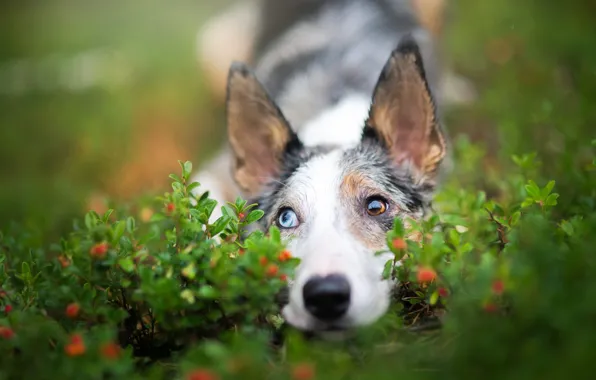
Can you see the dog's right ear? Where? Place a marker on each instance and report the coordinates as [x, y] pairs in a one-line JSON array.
[[257, 131]]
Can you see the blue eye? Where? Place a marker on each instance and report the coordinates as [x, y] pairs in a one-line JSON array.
[[287, 218]]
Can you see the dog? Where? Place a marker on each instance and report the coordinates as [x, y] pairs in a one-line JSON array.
[[334, 134]]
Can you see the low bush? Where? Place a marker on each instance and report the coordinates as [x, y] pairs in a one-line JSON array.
[[502, 286]]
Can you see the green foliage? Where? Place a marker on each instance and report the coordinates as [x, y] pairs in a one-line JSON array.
[[497, 287]]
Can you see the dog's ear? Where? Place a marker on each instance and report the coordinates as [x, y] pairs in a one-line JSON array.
[[257, 131], [403, 116]]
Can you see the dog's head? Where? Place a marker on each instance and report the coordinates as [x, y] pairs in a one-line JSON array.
[[334, 205]]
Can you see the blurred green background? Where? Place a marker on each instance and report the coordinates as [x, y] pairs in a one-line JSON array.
[[100, 99]]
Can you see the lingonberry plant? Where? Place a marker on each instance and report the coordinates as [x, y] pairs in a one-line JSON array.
[[160, 290]]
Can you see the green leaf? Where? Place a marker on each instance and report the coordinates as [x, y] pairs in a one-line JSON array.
[[175, 178], [90, 220], [130, 224], [192, 186], [219, 225], [25, 269], [186, 169], [398, 227], [434, 298], [207, 292], [207, 206], [177, 186], [533, 190], [552, 199], [275, 234], [126, 264], [188, 296], [190, 271], [567, 228], [254, 216], [107, 214], [547, 189], [527, 203], [240, 203], [388, 269], [514, 218]]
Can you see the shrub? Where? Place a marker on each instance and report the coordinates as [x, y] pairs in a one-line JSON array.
[[500, 287]]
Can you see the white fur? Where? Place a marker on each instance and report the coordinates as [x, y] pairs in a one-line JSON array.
[[341, 125], [325, 246]]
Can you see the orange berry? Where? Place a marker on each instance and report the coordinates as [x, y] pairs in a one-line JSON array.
[[110, 350], [283, 277], [170, 207], [74, 349], [303, 371], [263, 260], [6, 332], [399, 243], [202, 374], [241, 252], [99, 250], [7, 309], [284, 256], [426, 274], [146, 214], [443, 292], [72, 310], [272, 270], [64, 261], [498, 287]]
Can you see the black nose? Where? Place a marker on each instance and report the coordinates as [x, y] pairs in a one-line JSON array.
[[327, 298]]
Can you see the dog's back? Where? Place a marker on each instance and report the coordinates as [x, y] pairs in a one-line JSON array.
[[311, 54]]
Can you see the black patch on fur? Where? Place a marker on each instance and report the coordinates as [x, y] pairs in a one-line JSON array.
[[278, 16], [279, 76]]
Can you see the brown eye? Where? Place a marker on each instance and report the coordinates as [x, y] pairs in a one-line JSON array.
[[376, 206]]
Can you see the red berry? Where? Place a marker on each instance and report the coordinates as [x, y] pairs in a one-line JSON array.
[[303, 371], [202, 374], [76, 339], [399, 243], [272, 270], [426, 274], [7, 309], [284, 256], [6, 332], [443, 292], [283, 277], [72, 310], [490, 307], [170, 207], [241, 216], [110, 350], [241, 252], [99, 250], [263, 260], [498, 287]]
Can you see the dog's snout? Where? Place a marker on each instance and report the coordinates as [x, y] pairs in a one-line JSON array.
[[327, 298]]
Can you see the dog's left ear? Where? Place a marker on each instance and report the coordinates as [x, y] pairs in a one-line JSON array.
[[403, 116], [257, 131]]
